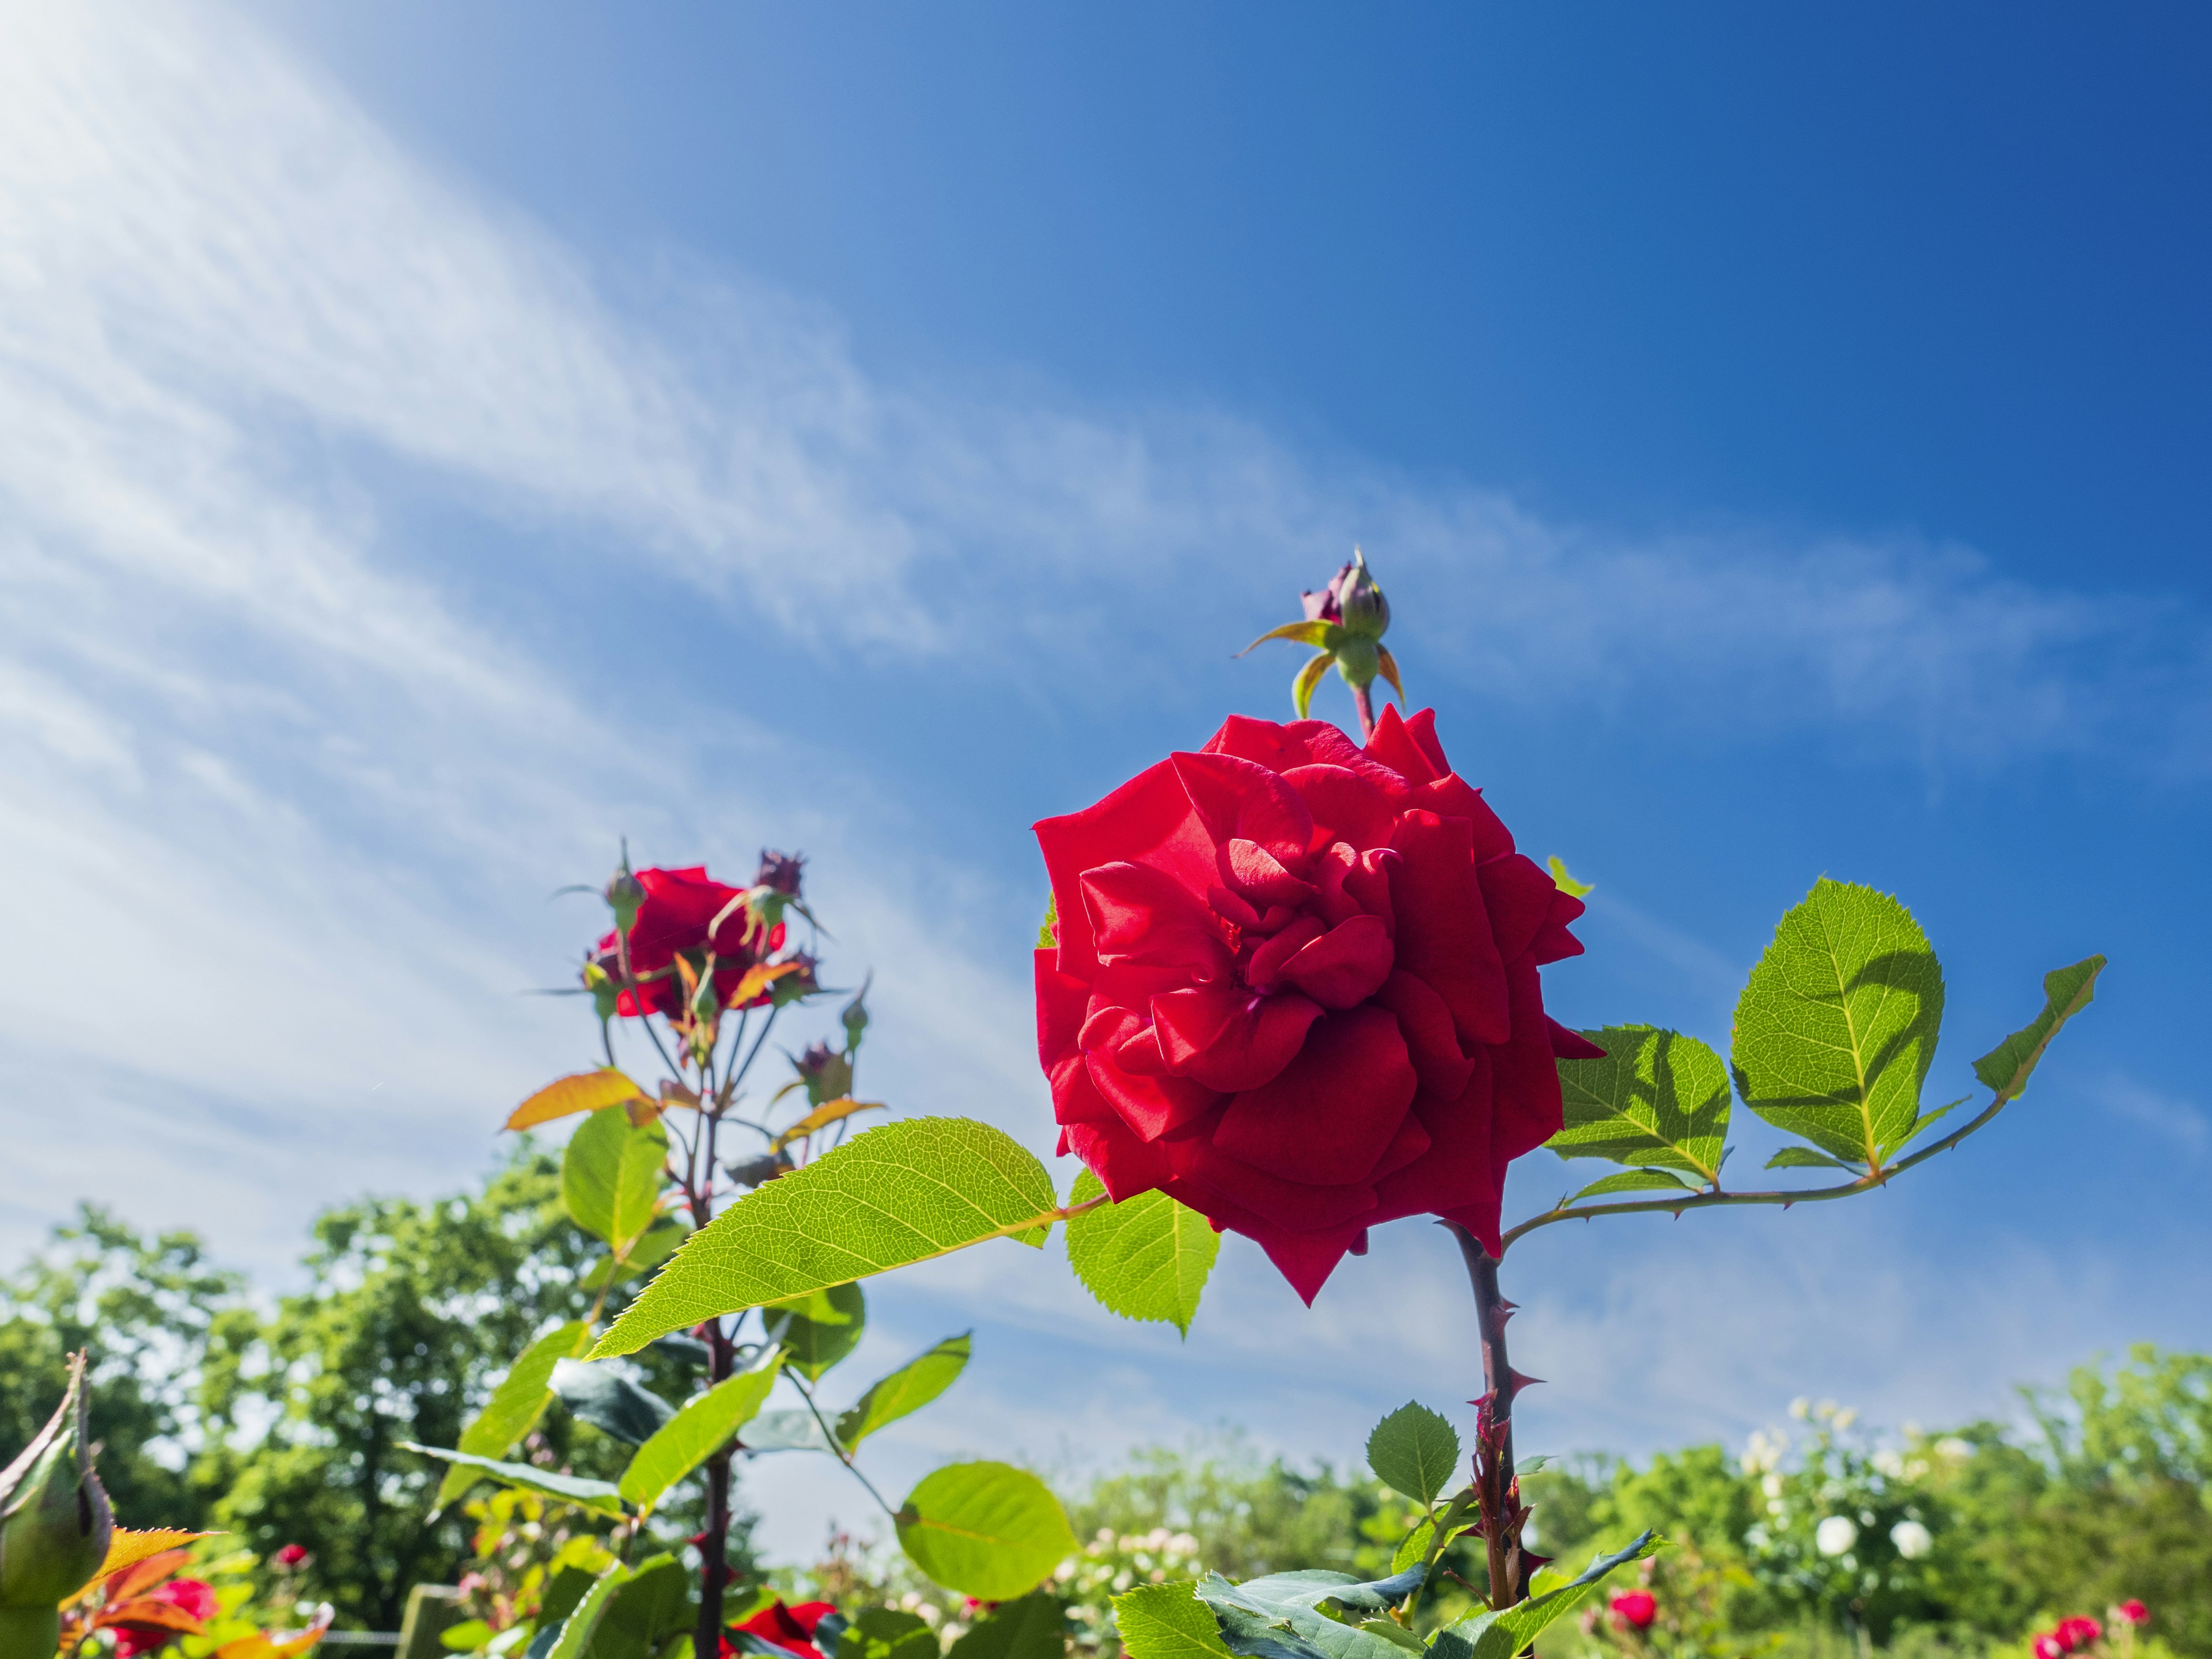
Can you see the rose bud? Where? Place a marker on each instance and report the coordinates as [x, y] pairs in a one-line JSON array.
[[827, 1074], [2131, 1613], [291, 1556], [799, 983], [1345, 621], [1636, 1608], [599, 980], [624, 893], [855, 1016], [780, 872], [54, 1523]]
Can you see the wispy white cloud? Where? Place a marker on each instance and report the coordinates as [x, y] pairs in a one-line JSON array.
[[2180, 1123], [280, 778]]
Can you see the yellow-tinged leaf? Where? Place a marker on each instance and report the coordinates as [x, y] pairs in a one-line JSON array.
[[1565, 883], [829, 1112], [585, 1091], [758, 978], [280, 1645], [126, 1548], [643, 1111]]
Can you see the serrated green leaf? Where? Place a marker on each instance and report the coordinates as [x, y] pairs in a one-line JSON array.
[[1486, 1635], [1280, 1616], [900, 1194], [1837, 1027], [2066, 991], [988, 1530], [1167, 1621], [1657, 1099], [1030, 1626], [515, 1404], [702, 1428], [1048, 930], [817, 1331], [1635, 1181], [1804, 1158], [1413, 1548], [1147, 1258], [611, 1176], [610, 1402], [908, 1388], [887, 1633], [1414, 1451], [594, 1495], [1565, 883]]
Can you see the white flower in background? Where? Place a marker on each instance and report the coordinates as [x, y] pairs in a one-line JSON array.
[[1845, 1417], [1771, 1483], [1835, 1535], [1762, 1452], [1912, 1539], [1801, 1408], [1888, 1464], [1956, 1449]]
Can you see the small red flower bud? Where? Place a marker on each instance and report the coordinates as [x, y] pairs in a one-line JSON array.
[[2131, 1613], [291, 1556], [1636, 1608], [780, 872]]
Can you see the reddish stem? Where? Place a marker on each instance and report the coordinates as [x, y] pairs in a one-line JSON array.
[[1364, 704], [1496, 1486]]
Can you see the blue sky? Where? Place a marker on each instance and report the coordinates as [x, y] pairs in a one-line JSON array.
[[435, 443]]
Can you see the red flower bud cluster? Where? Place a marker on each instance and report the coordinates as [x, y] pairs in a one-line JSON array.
[[1294, 988]]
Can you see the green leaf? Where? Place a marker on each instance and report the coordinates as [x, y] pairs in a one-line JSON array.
[[1635, 1181], [1486, 1635], [900, 1194], [786, 1432], [1565, 883], [1413, 1548], [1166, 1621], [611, 1176], [1804, 1158], [583, 1621], [2066, 992], [1837, 1027], [646, 1610], [1030, 1626], [988, 1530], [464, 1637], [1048, 929], [702, 1428], [908, 1388], [594, 1495], [819, 1329], [515, 1404], [652, 1248], [1302, 688], [887, 1633], [1282, 1616], [609, 1401], [1323, 634], [1414, 1451], [1145, 1259], [1658, 1099]]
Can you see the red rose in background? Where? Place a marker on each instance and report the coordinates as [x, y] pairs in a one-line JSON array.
[[1296, 989], [2132, 1612], [789, 1628], [1637, 1607], [2076, 1633], [2047, 1646], [684, 911], [291, 1556]]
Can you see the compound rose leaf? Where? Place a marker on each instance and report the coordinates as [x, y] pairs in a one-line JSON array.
[[1657, 1099], [900, 1194], [2066, 992], [1146, 1258], [1837, 1027]]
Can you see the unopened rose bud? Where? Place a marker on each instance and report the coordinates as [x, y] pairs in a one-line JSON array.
[[599, 980], [624, 893], [1361, 609], [801, 982], [54, 1524], [706, 1001], [780, 872], [827, 1074], [856, 1014], [1637, 1609]]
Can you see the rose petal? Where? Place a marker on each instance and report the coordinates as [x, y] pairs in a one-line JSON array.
[[1230, 1039], [1062, 1000], [1148, 820], [1397, 747], [1454, 798], [1266, 963], [1139, 1055], [1553, 943], [1124, 1164], [1238, 799], [1259, 875], [1432, 1039], [1276, 1202], [1308, 1259], [1075, 1097], [1141, 915], [1344, 966], [1411, 1143], [1302, 743], [1151, 1106], [1458, 1168], [1328, 1116], [1517, 892], [1344, 806], [1571, 1045], [1526, 1109], [1444, 934]]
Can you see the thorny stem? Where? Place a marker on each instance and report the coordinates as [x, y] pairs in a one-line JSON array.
[[1497, 1488], [1716, 1198]]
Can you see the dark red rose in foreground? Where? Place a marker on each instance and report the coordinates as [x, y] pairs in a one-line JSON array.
[[684, 913], [1296, 989], [1636, 1608], [788, 1627]]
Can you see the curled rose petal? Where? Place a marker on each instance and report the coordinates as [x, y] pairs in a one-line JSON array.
[[1344, 966], [1329, 1115], [1230, 1039]]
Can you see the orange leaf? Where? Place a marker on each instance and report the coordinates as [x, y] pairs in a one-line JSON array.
[[152, 1554], [149, 1613], [758, 978], [278, 1646], [586, 1091], [829, 1112]]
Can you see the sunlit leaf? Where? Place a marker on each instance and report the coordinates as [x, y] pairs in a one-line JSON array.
[[1656, 1099], [1804, 1158], [988, 1530], [908, 1388], [126, 1548], [887, 1633], [703, 1427], [759, 977], [1323, 634], [2066, 992], [585, 1091], [1146, 1258], [1635, 1181], [609, 1401], [1030, 1626], [1486, 1635], [1167, 1621], [1837, 1027], [515, 1404], [597, 1495], [1565, 883], [903, 1193], [817, 1331], [1302, 688], [1414, 1451], [611, 1176]]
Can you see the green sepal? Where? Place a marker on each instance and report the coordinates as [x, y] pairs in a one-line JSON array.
[[1302, 688], [1326, 634]]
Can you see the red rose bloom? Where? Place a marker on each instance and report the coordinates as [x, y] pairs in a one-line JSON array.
[[2074, 1634], [1296, 989], [1637, 1607], [291, 1555], [2132, 1612], [684, 912], [789, 1628]]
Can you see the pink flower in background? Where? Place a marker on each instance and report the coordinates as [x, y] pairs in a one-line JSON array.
[[1638, 1608], [2131, 1613], [291, 1556], [2075, 1634]]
